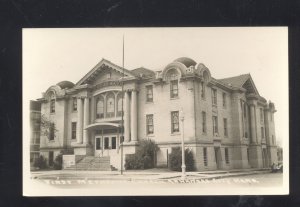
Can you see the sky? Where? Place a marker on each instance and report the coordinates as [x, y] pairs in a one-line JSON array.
[[54, 55]]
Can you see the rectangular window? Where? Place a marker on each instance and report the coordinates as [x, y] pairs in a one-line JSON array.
[[74, 104], [174, 88], [205, 156], [51, 131], [98, 143], [149, 93], [149, 123], [202, 90], [106, 143], [226, 156], [225, 128], [52, 106], [261, 115], [262, 132], [214, 96], [224, 100], [175, 121], [73, 130], [215, 125], [203, 122], [273, 141], [113, 142]]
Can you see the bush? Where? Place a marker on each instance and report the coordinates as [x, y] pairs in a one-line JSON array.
[[40, 162], [175, 158], [58, 162], [144, 158]]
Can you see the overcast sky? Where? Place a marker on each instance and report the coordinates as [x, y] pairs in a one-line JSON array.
[[54, 55]]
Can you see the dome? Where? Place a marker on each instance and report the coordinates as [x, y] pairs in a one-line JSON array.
[[65, 84], [186, 61]]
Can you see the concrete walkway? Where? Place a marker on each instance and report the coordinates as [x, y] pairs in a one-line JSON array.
[[150, 174]]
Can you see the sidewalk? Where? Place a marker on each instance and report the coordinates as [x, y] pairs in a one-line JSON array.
[[151, 174]]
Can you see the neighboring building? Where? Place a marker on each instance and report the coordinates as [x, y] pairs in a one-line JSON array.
[[35, 125], [227, 124]]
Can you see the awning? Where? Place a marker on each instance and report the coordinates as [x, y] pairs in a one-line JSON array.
[[103, 125]]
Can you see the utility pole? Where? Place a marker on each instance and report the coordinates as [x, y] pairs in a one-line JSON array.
[[122, 121]]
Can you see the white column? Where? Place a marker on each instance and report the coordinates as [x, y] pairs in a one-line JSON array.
[[86, 119], [253, 130], [127, 118], [79, 120], [133, 116]]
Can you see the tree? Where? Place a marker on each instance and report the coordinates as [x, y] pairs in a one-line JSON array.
[[176, 159], [144, 158], [48, 128]]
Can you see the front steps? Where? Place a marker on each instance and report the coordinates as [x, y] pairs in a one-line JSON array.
[[93, 163]]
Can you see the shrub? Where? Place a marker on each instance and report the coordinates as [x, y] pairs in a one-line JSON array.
[[175, 158], [57, 165], [40, 162], [144, 158], [58, 162]]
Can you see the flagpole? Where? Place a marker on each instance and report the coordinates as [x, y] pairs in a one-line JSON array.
[[122, 122]]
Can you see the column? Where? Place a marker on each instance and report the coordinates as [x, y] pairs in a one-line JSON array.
[[86, 119], [79, 120], [93, 112], [133, 116], [252, 118], [127, 118]]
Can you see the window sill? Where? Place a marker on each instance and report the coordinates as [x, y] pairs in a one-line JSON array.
[[149, 102], [174, 98], [175, 133], [150, 135]]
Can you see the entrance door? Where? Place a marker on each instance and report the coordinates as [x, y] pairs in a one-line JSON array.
[[98, 146], [218, 157]]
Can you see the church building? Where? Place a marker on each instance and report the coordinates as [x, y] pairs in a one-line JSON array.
[[225, 122]]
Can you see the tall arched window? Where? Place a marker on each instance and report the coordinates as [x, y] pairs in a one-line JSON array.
[[52, 103], [110, 105], [119, 106], [100, 108], [172, 77]]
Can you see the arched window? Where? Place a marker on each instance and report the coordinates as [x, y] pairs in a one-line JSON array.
[[52, 103], [172, 77], [100, 108], [110, 105], [119, 106]]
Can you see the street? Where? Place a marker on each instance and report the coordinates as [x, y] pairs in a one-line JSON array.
[[163, 180]]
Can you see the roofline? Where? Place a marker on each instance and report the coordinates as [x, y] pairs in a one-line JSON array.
[[97, 66]]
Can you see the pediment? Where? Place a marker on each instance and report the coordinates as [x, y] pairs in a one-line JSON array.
[[103, 71], [250, 86]]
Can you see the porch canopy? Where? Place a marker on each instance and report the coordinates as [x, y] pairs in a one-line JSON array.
[[102, 125]]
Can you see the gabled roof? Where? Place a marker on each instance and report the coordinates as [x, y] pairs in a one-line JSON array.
[[143, 72], [244, 80], [236, 81], [96, 69]]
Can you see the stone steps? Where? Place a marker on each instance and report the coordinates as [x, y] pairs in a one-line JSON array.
[[93, 163]]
